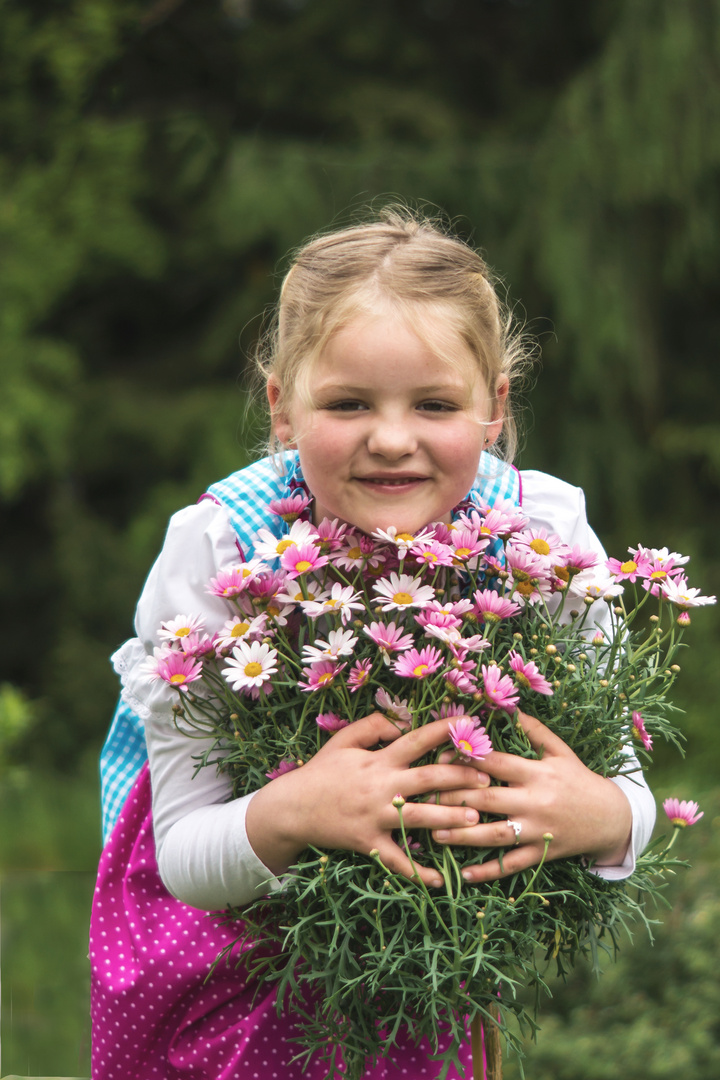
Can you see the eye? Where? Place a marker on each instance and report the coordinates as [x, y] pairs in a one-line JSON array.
[[434, 405], [348, 406]]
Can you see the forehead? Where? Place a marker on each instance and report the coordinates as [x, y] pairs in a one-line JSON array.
[[419, 346]]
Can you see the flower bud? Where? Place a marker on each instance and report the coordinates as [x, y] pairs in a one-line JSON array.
[[551, 649], [654, 618], [683, 619], [571, 668], [398, 801], [675, 667]]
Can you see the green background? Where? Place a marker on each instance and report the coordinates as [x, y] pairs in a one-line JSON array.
[[157, 162]]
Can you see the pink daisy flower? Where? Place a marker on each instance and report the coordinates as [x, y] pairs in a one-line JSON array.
[[268, 546], [393, 707], [240, 627], [303, 559], [541, 542], [400, 591], [639, 731], [339, 643], [678, 593], [432, 554], [402, 541], [229, 583], [528, 675], [181, 626], [499, 690], [470, 741], [459, 681], [359, 674], [389, 639], [290, 508], [199, 647], [577, 559], [330, 721], [630, 569], [341, 599], [285, 766], [177, 669], [321, 675], [252, 664], [330, 535], [490, 607], [418, 663], [683, 813]]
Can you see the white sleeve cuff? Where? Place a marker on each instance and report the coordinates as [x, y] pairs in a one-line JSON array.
[[207, 862]]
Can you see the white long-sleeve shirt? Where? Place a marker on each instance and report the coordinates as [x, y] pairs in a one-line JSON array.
[[204, 856]]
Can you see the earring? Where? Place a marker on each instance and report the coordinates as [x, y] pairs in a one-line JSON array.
[[486, 441]]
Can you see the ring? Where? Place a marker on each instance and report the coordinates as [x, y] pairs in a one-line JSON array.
[[517, 829]]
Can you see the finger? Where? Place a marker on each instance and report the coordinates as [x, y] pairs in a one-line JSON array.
[[415, 744], [362, 734], [487, 834], [541, 737], [392, 857], [425, 779], [449, 756], [429, 815], [514, 861]]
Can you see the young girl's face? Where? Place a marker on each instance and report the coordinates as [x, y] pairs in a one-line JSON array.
[[394, 433]]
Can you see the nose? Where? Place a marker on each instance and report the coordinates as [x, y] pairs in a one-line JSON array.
[[392, 437]]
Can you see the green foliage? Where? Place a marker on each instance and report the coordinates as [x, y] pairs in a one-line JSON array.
[[653, 1014]]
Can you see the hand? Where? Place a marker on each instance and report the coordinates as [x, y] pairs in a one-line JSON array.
[[342, 797], [586, 814]]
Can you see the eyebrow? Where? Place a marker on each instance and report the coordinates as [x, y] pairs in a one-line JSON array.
[[345, 388]]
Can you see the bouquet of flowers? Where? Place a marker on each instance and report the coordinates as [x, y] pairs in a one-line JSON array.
[[472, 621]]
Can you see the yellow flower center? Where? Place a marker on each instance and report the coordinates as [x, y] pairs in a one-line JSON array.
[[658, 575], [182, 632], [490, 616], [522, 679], [178, 678], [273, 610], [561, 572], [406, 538], [240, 629], [354, 553], [465, 747], [326, 678], [402, 598], [420, 671], [525, 588], [462, 553], [679, 822], [283, 545], [303, 566], [540, 547], [253, 669], [628, 567]]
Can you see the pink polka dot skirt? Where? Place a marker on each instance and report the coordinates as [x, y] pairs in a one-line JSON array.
[[155, 1013]]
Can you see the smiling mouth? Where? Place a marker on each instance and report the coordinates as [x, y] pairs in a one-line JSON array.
[[392, 481]]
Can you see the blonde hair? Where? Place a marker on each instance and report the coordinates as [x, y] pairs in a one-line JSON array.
[[411, 263]]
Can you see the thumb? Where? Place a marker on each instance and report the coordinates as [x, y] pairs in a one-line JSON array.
[[369, 731], [541, 738]]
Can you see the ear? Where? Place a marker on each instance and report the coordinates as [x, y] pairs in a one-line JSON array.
[[280, 421], [494, 428]]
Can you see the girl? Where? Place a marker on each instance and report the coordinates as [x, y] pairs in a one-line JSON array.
[[388, 379]]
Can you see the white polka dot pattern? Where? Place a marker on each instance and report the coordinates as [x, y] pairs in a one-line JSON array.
[[155, 1014]]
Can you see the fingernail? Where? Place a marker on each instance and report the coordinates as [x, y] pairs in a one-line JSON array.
[[436, 882], [467, 876], [472, 816], [483, 780], [442, 834]]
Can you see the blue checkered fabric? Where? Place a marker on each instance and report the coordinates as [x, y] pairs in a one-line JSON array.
[[246, 495]]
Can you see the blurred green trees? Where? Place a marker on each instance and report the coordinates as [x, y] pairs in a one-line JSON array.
[[158, 158]]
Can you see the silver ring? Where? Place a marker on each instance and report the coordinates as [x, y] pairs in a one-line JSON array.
[[517, 829]]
